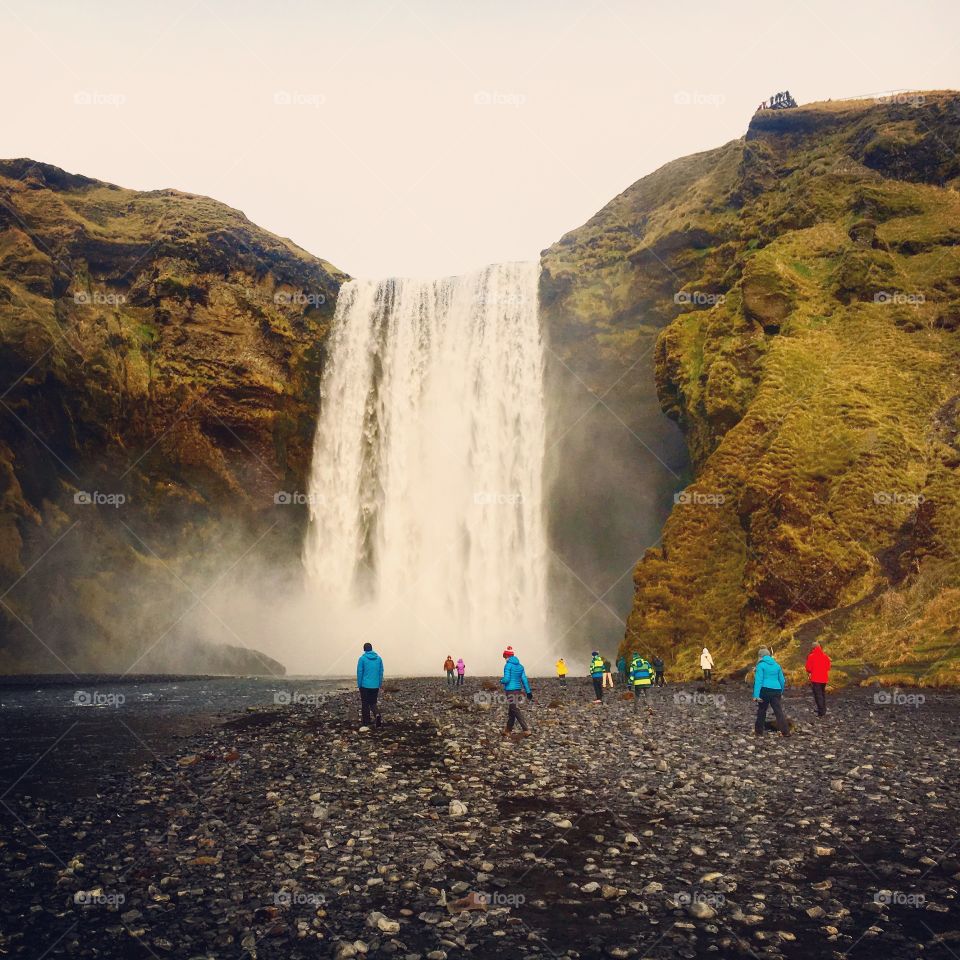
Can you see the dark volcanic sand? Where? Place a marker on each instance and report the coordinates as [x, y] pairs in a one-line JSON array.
[[286, 833]]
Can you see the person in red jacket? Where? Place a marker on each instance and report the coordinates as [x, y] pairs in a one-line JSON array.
[[818, 666]]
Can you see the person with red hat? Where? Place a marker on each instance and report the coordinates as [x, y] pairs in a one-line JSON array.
[[515, 684], [818, 667]]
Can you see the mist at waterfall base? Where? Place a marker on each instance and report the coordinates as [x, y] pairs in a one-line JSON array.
[[427, 534]]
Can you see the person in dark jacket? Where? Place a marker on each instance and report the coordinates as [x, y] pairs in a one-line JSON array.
[[658, 671], [622, 669], [515, 685], [369, 682], [818, 667], [768, 686]]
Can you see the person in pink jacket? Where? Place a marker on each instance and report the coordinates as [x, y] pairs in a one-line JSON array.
[[461, 670]]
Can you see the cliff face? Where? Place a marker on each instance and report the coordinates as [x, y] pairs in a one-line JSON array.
[[807, 282], [159, 379]]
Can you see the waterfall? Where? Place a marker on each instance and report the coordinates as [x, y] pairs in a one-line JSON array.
[[427, 535]]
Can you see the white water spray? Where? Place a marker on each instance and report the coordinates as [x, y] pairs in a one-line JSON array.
[[427, 533]]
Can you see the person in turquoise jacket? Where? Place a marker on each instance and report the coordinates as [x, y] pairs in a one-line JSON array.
[[515, 685], [768, 686], [369, 682]]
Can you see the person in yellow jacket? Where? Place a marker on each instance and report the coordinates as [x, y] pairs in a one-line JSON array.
[[562, 671]]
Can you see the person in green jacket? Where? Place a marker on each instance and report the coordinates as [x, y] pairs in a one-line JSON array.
[[596, 675], [641, 676]]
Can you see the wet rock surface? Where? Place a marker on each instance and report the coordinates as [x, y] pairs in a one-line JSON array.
[[668, 832]]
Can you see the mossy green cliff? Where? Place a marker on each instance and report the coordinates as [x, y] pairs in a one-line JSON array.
[[161, 348], [805, 285]]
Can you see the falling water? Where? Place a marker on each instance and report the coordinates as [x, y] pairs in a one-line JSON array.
[[426, 532]]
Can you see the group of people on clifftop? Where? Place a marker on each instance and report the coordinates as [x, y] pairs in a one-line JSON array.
[[769, 683]]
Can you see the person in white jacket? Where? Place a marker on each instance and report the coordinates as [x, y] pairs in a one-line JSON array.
[[706, 665]]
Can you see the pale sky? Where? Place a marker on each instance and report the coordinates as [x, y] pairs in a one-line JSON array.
[[430, 137]]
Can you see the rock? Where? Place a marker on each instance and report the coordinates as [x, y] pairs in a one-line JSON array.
[[457, 808], [701, 910]]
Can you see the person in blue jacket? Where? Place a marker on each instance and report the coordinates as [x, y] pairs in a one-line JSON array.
[[369, 682], [768, 686], [515, 685]]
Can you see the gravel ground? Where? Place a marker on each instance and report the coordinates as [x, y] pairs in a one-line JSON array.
[[668, 832]]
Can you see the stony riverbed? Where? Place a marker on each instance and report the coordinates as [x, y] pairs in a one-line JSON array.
[[674, 832]]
